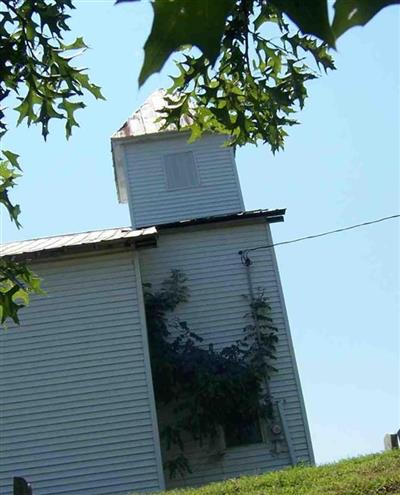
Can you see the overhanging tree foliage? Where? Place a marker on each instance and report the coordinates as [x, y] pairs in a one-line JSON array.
[[37, 71], [251, 74], [257, 83]]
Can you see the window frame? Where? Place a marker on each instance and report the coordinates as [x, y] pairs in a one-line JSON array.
[[263, 434]]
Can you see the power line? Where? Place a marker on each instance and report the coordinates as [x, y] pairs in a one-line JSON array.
[[244, 253]]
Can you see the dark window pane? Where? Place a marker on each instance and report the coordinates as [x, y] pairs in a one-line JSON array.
[[244, 434]]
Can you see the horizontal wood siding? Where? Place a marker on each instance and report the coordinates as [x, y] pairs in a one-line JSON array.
[[217, 281], [75, 399], [150, 201]]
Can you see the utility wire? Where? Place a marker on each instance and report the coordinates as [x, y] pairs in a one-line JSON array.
[[314, 236]]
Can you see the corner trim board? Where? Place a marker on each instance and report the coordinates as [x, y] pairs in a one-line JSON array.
[[236, 175], [149, 378], [128, 192], [291, 348]]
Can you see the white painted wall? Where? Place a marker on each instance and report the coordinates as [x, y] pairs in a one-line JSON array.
[[208, 255], [150, 201], [76, 402], [75, 391]]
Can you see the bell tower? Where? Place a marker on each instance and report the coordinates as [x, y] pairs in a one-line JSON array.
[[164, 179]]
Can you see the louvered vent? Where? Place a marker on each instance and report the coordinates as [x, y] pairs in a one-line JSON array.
[[181, 171]]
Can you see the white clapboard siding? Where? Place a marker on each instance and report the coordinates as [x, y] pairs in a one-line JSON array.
[[217, 282], [76, 401], [152, 201]]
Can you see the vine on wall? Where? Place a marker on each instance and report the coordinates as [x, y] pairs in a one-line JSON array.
[[203, 388]]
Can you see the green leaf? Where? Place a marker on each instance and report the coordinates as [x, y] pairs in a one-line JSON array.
[[77, 44], [7, 182], [70, 107], [83, 80], [350, 13], [21, 295], [311, 16], [17, 283], [26, 108], [12, 158], [179, 22], [13, 210]]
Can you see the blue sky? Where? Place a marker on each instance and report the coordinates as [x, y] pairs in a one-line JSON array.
[[339, 167]]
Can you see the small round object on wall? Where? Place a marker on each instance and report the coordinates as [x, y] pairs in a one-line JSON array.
[[276, 429]]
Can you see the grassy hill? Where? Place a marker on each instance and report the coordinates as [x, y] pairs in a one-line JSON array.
[[377, 474]]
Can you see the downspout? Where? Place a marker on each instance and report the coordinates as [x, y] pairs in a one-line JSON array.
[[279, 404]]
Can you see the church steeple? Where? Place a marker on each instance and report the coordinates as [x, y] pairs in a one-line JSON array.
[[164, 178]]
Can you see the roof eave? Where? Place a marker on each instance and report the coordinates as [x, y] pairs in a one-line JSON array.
[[271, 216], [148, 240]]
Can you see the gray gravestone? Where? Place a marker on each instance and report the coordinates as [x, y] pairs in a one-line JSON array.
[[391, 441]]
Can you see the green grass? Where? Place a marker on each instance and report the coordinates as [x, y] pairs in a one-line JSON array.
[[377, 474]]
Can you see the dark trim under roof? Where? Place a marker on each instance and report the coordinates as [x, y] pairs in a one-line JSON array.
[[271, 216], [120, 238]]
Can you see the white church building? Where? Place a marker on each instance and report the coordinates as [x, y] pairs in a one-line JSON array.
[[77, 406]]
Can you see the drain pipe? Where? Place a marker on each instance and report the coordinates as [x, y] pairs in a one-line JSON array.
[[279, 404]]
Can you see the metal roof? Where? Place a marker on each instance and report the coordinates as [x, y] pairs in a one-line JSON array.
[[146, 120], [95, 237], [107, 237]]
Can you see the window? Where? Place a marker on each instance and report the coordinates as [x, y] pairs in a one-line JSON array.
[[181, 171], [244, 434]]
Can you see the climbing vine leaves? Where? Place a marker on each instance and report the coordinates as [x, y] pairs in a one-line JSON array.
[[201, 390]]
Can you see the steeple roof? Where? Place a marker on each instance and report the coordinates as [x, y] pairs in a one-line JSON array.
[[146, 120]]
